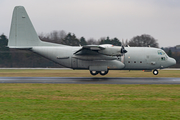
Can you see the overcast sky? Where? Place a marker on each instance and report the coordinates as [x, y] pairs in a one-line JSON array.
[[123, 19]]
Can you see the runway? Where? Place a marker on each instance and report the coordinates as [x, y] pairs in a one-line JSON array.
[[89, 80]]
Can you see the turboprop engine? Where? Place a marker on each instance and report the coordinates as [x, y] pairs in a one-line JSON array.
[[112, 50]]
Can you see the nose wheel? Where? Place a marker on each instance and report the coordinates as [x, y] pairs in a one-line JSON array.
[[155, 72]]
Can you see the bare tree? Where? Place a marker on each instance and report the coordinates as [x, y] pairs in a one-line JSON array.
[[144, 41], [55, 36]]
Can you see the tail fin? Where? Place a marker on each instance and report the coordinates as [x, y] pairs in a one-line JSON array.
[[22, 33]]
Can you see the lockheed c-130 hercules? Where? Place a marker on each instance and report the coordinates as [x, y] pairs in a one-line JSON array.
[[98, 59]]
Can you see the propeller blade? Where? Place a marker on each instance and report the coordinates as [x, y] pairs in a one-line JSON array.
[[123, 50]]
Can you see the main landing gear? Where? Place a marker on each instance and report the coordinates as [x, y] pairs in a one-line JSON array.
[[100, 72], [155, 72]]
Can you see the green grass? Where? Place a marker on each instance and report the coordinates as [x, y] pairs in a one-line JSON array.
[[82, 73], [87, 101]]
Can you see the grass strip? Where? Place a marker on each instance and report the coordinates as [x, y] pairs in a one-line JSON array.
[[89, 101]]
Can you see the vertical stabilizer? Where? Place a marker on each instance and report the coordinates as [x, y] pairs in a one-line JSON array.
[[22, 33]]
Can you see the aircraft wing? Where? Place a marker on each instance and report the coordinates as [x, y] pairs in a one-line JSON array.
[[106, 49], [90, 47]]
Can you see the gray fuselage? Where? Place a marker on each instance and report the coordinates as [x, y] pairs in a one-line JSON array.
[[137, 58]]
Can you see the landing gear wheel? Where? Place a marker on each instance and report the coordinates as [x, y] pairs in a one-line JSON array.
[[94, 72], [155, 72], [103, 72]]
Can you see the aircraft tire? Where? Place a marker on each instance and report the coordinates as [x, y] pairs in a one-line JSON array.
[[94, 72], [103, 72], [155, 72]]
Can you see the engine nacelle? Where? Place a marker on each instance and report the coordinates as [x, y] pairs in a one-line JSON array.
[[111, 51]]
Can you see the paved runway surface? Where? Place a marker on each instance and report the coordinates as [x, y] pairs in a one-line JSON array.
[[89, 80]]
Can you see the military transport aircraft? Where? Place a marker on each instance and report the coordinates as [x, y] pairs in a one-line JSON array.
[[98, 59]]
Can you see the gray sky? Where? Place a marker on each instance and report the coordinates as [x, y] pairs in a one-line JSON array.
[[123, 19]]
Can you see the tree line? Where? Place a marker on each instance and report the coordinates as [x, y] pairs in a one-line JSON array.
[[61, 37], [17, 58]]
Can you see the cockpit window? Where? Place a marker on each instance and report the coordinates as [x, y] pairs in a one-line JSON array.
[[163, 58], [163, 55], [160, 52]]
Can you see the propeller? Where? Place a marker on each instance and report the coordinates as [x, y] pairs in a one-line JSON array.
[[123, 50]]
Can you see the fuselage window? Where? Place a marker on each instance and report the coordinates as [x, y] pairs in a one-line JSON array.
[[140, 61], [134, 61], [128, 61]]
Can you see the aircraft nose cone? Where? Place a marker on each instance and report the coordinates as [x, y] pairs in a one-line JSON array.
[[172, 61]]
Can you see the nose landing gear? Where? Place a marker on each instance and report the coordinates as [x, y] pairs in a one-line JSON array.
[[155, 72]]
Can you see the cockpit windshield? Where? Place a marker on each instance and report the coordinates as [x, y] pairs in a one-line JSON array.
[[161, 52]]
